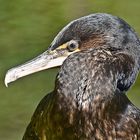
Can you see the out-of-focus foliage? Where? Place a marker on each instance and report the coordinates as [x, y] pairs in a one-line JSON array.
[[27, 27]]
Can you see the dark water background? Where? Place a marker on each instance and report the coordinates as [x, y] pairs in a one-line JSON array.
[[27, 27]]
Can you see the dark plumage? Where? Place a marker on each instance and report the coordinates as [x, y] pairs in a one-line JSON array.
[[89, 101]]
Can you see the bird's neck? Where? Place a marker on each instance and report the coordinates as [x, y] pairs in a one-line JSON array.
[[86, 94], [86, 80], [95, 106]]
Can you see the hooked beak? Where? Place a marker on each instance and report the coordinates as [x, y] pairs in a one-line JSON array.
[[46, 60]]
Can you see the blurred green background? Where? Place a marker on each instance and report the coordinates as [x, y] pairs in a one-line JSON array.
[[27, 27]]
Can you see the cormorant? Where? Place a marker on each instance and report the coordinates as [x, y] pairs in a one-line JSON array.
[[100, 58]]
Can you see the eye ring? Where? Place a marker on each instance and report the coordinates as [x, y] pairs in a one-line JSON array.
[[72, 45]]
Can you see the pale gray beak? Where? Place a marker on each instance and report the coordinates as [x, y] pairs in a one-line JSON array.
[[44, 61]]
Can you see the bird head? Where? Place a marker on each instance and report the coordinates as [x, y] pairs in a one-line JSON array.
[[91, 31]]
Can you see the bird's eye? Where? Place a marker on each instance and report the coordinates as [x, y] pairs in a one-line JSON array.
[[73, 45]]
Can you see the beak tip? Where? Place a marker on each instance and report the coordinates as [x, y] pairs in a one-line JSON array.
[[6, 84], [9, 77], [6, 81]]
